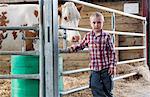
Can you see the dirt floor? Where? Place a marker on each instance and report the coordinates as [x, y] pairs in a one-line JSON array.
[[135, 86]]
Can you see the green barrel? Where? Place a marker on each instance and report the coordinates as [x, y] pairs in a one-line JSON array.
[[24, 65]]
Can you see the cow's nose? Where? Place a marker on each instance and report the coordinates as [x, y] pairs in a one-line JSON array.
[[65, 18], [75, 38]]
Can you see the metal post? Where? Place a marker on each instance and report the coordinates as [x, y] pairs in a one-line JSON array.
[[51, 48], [48, 50], [65, 40], [55, 47], [41, 50], [144, 42], [61, 86], [113, 25]]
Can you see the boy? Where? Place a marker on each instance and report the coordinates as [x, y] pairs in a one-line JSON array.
[[102, 57]]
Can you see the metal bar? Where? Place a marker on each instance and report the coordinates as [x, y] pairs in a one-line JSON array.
[[116, 48], [131, 61], [60, 70], [145, 42], [111, 32], [74, 90], [113, 22], [30, 38], [48, 50], [66, 51], [64, 40], [126, 33], [125, 76], [75, 71], [107, 9], [76, 29], [20, 76], [87, 86], [88, 69], [130, 48], [51, 48], [35, 28], [55, 47], [41, 50], [19, 53]]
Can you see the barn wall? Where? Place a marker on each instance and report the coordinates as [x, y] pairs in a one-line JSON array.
[[122, 24]]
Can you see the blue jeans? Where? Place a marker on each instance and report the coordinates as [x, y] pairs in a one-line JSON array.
[[101, 83]]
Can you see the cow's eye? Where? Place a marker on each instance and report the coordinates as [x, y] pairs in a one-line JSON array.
[[99, 22], [94, 22]]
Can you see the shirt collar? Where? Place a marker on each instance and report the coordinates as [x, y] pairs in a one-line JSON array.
[[93, 33]]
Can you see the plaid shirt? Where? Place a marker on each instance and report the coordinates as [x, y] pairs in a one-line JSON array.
[[102, 53]]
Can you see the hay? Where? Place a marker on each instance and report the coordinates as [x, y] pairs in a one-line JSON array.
[[144, 71], [5, 88], [134, 86]]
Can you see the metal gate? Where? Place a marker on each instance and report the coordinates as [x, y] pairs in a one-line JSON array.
[[48, 51], [113, 32]]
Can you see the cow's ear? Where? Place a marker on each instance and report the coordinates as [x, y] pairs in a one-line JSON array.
[[80, 7], [60, 11]]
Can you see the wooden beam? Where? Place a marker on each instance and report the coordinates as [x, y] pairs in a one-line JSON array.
[[17, 1]]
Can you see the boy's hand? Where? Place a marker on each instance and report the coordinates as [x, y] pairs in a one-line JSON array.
[[70, 50], [112, 71]]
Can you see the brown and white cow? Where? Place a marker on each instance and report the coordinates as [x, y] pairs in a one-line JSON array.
[[70, 18], [27, 15], [17, 15]]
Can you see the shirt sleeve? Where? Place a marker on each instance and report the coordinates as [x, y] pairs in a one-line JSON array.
[[81, 45], [111, 53]]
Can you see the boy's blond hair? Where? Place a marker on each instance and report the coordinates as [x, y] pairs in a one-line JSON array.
[[97, 14]]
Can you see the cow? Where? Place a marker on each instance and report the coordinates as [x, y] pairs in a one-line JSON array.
[[23, 15], [17, 15], [70, 18]]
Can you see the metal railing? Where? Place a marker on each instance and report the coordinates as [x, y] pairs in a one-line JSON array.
[[113, 32], [48, 51], [36, 28]]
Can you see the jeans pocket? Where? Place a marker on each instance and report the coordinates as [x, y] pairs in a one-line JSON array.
[[107, 82], [95, 80]]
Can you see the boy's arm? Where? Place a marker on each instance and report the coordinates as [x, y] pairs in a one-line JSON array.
[[112, 56], [80, 46]]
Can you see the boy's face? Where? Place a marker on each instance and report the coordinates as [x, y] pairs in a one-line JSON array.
[[96, 23]]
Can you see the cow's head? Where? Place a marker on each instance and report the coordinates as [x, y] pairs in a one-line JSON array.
[[30, 42], [70, 17]]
